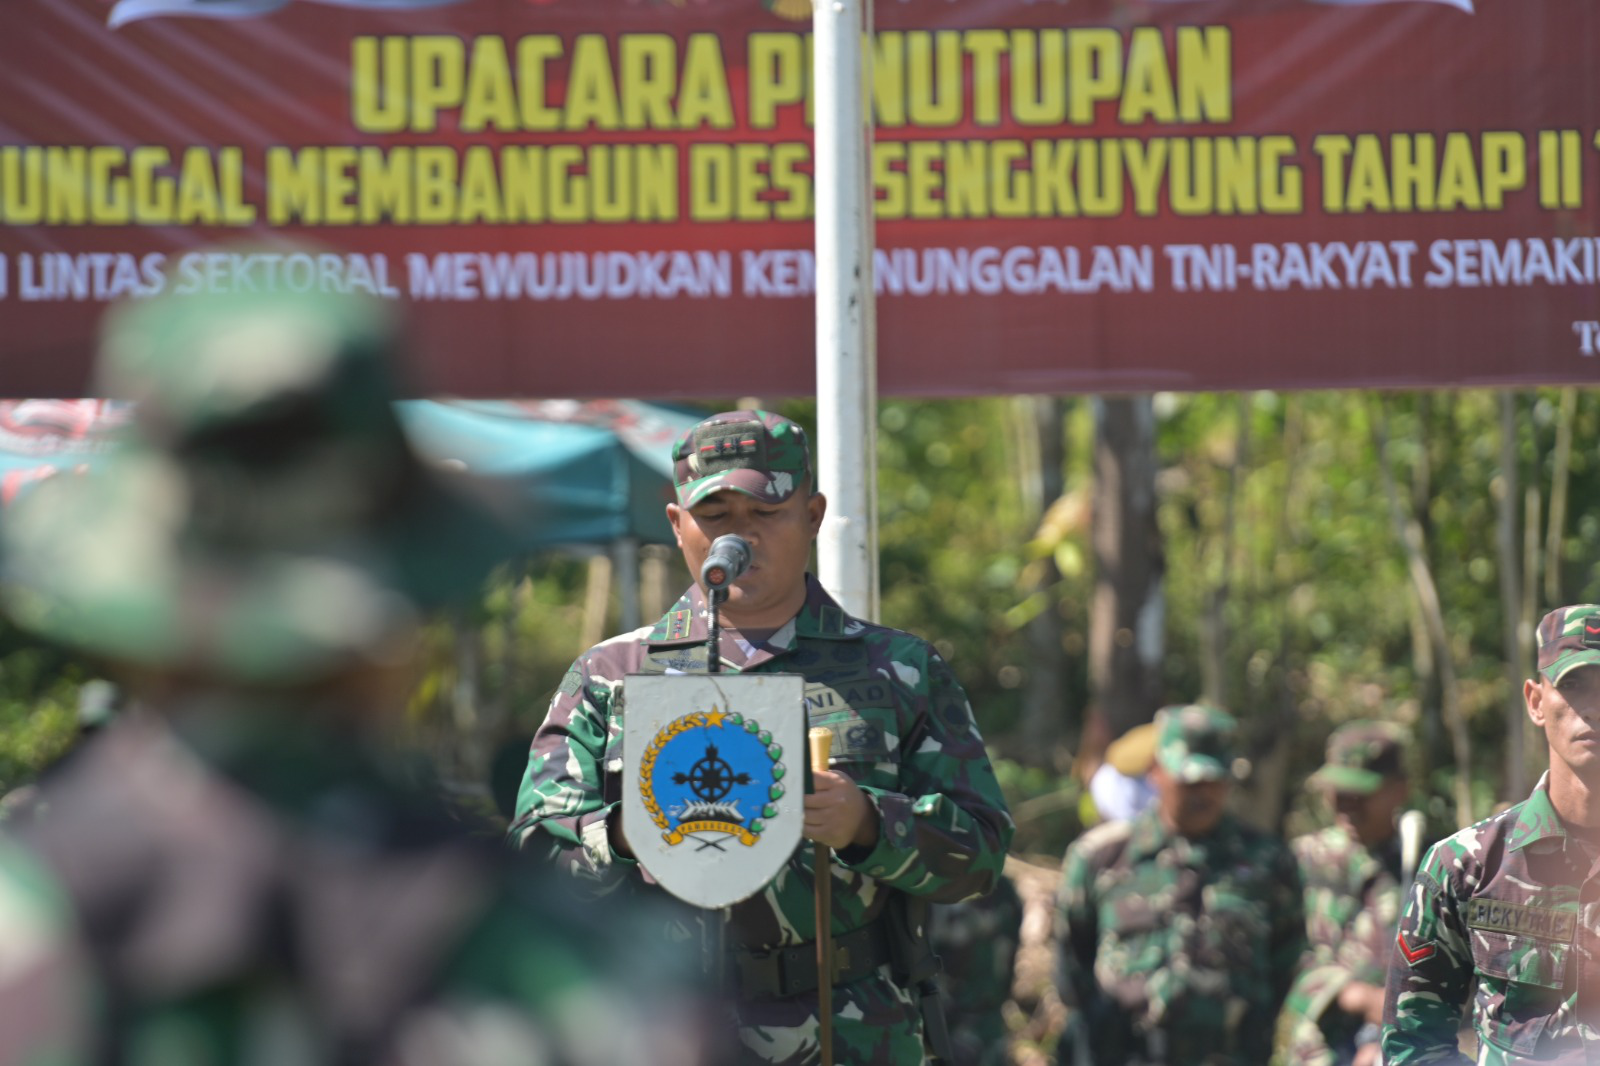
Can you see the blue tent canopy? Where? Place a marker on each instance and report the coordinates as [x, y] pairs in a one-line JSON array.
[[584, 473]]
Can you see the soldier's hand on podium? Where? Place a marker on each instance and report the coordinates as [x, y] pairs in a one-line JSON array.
[[838, 813]]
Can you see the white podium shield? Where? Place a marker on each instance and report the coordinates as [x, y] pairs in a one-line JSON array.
[[714, 766]]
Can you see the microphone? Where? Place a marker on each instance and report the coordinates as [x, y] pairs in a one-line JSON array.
[[729, 557]]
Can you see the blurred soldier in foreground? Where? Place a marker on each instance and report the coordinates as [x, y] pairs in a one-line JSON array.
[[976, 942], [911, 806], [233, 872], [1506, 912], [1352, 873], [1179, 930]]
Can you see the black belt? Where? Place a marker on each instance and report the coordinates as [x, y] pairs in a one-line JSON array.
[[776, 973]]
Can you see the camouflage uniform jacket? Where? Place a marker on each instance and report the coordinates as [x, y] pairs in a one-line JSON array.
[[1352, 900], [1512, 902], [903, 730], [1178, 950], [290, 901]]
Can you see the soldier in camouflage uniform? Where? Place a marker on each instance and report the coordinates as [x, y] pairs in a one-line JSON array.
[[1505, 914], [234, 872], [977, 946], [911, 806], [1180, 930], [1352, 872]]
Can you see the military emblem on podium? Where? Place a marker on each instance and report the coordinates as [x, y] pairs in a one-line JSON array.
[[713, 777]]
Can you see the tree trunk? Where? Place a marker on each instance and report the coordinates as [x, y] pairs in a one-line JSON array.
[[596, 601], [467, 756], [661, 581], [1046, 718], [1437, 429], [1409, 533], [1214, 632], [1127, 617], [1526, 771], [1561, 467], [1266, 790], [1510, 567]]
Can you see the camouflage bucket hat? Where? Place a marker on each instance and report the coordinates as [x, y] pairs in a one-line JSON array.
[[1195, 742], [1361, 757], [1569, 637], [263, 520], [754, 452]]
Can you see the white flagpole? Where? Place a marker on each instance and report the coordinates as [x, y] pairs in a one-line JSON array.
[[847, 357]]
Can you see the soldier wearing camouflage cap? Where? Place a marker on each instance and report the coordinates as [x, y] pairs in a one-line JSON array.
[[234, 871], [1504, 914], [1180, 929], [911, 806], [1352, 872]]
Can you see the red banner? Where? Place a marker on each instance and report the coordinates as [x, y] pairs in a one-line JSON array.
[[613, 197]]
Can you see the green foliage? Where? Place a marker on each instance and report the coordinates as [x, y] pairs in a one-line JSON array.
[[1272, 505], [950, 537], [1047, 807], [489, 672], [38, 707], [1274, 520], [952, 523], [1321, 621]]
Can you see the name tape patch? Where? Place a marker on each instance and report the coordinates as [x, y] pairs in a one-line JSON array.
[[1519, 919]]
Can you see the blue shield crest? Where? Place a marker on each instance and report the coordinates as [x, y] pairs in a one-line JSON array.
[[712, 772]]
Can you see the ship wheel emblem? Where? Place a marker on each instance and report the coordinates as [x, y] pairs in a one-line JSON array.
[[711, 778]]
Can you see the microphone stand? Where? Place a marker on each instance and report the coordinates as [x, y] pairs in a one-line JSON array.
[[713, 630], [713, 928]]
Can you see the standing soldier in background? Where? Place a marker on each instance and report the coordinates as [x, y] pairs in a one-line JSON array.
[[1352, 873], [976, 942], [1181, 929], [911, 807], [1507, 912], [236, 871]]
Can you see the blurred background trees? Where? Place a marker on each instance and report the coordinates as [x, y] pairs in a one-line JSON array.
[[1300, 558]]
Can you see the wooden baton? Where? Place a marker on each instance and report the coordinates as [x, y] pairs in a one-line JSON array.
[[821, 740]]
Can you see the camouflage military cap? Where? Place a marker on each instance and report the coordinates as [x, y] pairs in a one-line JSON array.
[[754, 452], [191, 362], [264, 519], [1195, 742], [1569, 637], [1361, 757]]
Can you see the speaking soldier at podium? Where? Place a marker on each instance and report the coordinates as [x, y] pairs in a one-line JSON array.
[[907, 812]]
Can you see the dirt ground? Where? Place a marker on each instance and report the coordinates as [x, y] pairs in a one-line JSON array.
[[1034, 1014]]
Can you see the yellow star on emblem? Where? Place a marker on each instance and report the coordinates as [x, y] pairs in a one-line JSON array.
[[715, 718]]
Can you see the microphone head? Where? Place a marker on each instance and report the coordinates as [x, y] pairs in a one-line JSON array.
[[728, 558]]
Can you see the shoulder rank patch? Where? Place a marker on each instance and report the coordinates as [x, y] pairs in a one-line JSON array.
[[1518, 919], [572, 682], [678, 624], [1414, 955]]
